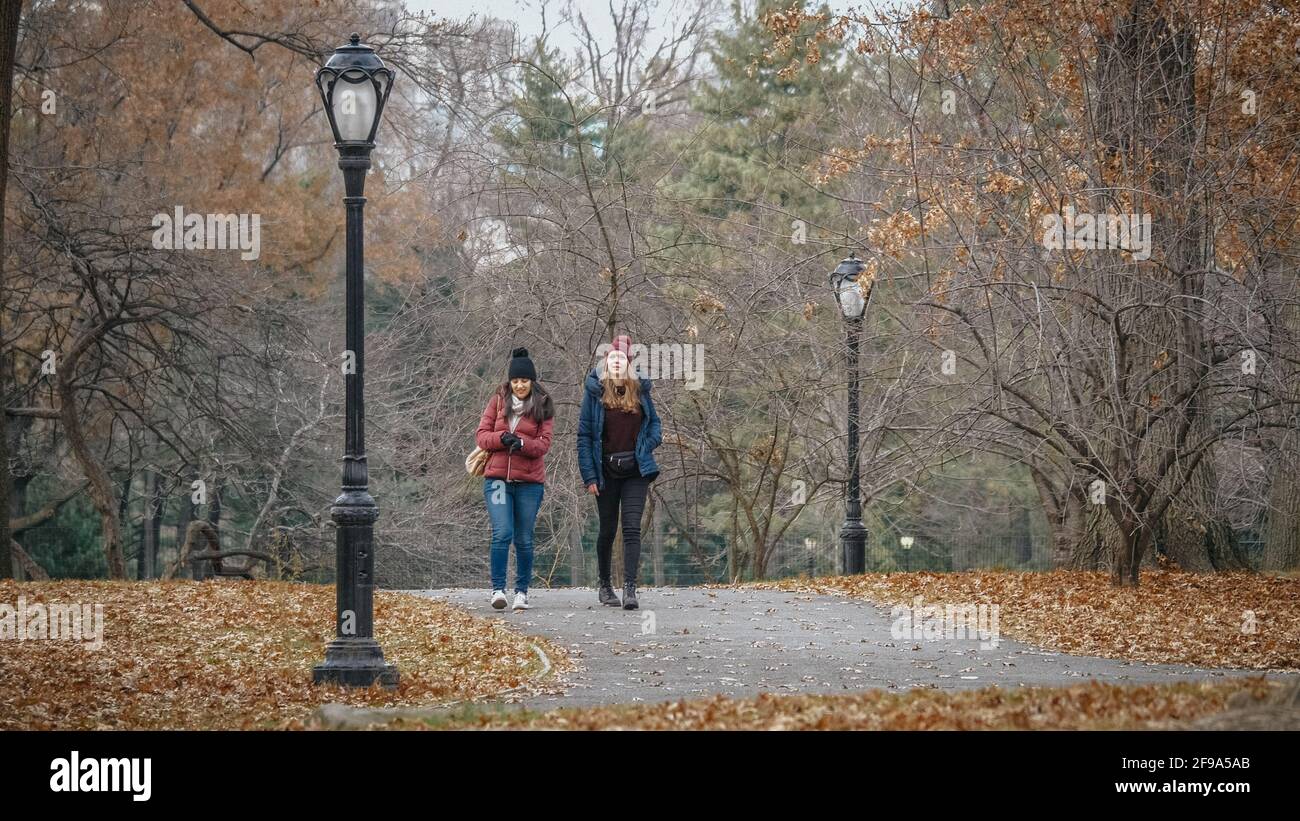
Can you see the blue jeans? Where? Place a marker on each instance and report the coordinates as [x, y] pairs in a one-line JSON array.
[[512, 508]]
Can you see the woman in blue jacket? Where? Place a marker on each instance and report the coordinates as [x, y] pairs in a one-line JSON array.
[[618, 431]]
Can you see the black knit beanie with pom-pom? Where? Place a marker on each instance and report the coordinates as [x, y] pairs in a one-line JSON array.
[[521, 367]]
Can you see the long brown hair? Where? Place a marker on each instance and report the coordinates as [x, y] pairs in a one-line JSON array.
[[629, 401], [538, 405]]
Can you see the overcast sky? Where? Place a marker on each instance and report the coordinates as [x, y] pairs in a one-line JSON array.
[[528, 15]]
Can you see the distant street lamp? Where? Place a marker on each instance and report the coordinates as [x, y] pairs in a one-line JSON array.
[[354, 86], [906, 542], [853, 306]]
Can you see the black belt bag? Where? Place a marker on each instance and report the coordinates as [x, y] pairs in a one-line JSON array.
[[621, 465]]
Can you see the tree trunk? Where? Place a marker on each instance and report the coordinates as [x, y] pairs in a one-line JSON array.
[[1134, 538], [203, 569], [214, 506], [185, 513], [1083, 535], [1057, 511], [575, 551], [10, 12], [282, 548], [102, 494], [151, 526], [26, 566], [18, 505], [733, 542], [1193, 535], [1282, 533], [1148, 115], [124, 517], [200, 538], [658, 548], [648, 519], [1198, 536]]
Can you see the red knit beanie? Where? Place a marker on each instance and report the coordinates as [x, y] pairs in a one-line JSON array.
[[623, 343]]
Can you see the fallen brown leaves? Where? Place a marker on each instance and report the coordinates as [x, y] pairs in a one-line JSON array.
[[1172, 617], [237, 654], [1092, 706]]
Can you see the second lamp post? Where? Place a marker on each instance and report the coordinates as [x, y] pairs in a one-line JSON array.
[[853, 306], [354, 85]]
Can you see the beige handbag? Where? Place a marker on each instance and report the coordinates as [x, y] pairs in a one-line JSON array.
[[477, 461]]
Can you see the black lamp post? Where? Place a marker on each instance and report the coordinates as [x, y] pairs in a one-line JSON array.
[[853, 306], [354, 85]]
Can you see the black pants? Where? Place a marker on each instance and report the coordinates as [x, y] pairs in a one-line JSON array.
[[631, 493]]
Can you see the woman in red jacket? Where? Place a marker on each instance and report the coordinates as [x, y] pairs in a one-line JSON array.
[[516, 431]]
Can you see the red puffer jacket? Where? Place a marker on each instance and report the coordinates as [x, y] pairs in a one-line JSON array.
[[523, 465]]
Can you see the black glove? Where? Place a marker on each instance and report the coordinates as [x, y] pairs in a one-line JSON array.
[[511, 441]]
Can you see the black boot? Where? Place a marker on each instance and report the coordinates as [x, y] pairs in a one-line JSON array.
[[607, 596], [629, 596]]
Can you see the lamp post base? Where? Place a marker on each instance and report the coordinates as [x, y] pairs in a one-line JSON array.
[[354, 662], [853, 537]]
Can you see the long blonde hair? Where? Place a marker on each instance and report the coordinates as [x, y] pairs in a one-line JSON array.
[[629, 401]]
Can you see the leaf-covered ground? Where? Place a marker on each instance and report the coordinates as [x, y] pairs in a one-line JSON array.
[[1244, 620], [1092, 706], [237, 654]]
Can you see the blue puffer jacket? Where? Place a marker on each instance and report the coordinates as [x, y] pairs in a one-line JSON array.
[[591, 425]]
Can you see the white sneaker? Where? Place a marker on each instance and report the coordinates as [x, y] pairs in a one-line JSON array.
[[498, 599], [521, 601]]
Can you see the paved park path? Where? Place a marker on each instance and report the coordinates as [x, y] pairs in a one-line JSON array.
[[693, 642]]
